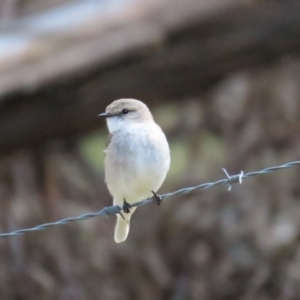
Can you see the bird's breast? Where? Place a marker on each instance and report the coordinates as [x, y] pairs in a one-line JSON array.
[[136, 162]]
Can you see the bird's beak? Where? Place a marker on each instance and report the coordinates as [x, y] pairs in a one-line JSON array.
[[105, 115]]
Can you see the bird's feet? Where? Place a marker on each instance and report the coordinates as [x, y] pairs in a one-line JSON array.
[[156, 198], [126, 207]]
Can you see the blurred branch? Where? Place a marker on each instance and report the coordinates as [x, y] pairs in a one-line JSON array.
[[8, 9], [61, 69], [37, 50]]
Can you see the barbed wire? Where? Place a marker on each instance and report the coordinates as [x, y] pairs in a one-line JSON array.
[[115, 209]]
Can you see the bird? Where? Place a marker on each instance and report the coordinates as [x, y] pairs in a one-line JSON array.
[[137, 158]]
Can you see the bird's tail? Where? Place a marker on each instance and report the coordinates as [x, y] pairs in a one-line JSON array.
[[122, 226]]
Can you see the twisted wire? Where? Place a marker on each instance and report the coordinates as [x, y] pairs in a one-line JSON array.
[[115, 209]]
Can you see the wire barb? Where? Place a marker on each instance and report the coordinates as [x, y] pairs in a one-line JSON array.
[[233, 179], [115, 209]]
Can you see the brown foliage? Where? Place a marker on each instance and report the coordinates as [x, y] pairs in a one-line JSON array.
[[212, 244]]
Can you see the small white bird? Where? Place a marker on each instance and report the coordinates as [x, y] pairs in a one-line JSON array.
[[137, 158]]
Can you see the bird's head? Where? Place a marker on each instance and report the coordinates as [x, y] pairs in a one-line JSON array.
[[125, 112]]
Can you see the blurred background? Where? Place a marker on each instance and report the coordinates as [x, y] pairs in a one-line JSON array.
[[222, 78]]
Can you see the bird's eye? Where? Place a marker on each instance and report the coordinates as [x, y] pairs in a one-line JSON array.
[[125, 111]]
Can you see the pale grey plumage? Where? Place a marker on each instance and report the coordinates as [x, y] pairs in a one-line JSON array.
[[137, 157]]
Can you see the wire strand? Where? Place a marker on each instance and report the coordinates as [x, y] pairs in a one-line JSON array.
[[113, 210]]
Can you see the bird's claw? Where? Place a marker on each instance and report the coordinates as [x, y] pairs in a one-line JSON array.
[[156, 198], [126, 207]]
